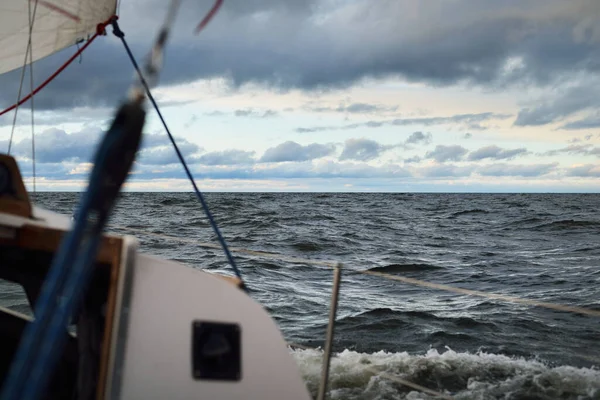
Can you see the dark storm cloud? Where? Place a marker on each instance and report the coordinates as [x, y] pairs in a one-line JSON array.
[[292, 151], [267, 41], [496, 153], [443, 153]]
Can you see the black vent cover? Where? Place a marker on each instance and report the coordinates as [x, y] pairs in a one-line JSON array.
[[216, 351]]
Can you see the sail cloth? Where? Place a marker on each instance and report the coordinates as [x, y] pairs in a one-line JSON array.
[[58, 24]]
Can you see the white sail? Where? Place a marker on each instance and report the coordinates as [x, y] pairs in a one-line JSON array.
[[58, 24]]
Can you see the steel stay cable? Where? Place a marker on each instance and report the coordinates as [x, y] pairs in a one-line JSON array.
[[27, 54], [152, 68], [31, 19]]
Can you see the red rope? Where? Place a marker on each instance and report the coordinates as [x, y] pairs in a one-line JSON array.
[[100, 30], [209, 16]]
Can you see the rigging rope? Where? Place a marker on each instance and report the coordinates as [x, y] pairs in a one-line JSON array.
[[155, 55], [100, 31]]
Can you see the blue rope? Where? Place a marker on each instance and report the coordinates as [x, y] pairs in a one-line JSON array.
[[209, 215], [53, 342], [43, 339]]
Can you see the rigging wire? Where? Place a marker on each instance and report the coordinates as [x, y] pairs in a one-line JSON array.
[[152, 68], [31, 19], [27, 53]]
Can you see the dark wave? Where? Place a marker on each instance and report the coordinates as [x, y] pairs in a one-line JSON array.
[[468, 322], [526, 221], [173, 201], [308, 247], [444, 335], [416, 323], [474, 211], [568, 224], [416, 267]]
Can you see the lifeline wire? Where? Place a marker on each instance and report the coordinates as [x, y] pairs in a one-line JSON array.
[[404, 279]]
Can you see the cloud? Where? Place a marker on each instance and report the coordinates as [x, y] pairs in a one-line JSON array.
[[443, 153], [292, 151], [589, 122], [484, 42], [362, 149], [291, 170], [156, 149], [215, 113], [467, 135], [582, 149], [249, 112], [502, 169], [487, 43], [99, 116], [445, 170], [354, 108], [581, 139], [419, 138], [495, 152], [56, 145], [472, 121], [411, 160], [571, 100], [587, 170], [227, 157]]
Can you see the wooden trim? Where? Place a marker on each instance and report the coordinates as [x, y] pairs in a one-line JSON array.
[[16, 202], [235, 281], [40, 238], [34, 237], [109, 320]]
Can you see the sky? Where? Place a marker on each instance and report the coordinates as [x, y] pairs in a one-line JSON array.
[[336, 95]]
